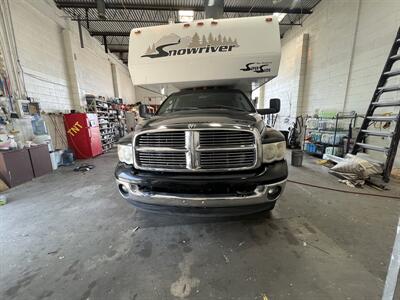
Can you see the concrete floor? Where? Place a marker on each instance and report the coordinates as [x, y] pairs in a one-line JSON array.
[[70, 235]]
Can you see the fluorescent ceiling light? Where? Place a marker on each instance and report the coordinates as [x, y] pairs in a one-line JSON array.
[[280, 16], [186, 15]]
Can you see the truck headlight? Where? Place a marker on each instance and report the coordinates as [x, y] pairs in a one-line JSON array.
[[273, 151], [125, 154]]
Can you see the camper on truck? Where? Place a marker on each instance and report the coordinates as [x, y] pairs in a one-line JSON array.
[[207, 149]]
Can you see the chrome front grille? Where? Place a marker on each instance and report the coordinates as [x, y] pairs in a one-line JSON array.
[[226, 138], [196, 150], [161, 160], [172, 139], [228, 159]]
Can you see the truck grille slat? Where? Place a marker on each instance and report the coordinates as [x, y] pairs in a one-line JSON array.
[[230, 152], [205, 160], [199, 150], [155, 155]]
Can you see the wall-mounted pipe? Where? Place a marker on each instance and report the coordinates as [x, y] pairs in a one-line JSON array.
[[80, 32], [105, 43], [87, 18], [101, 9], [214, 9]]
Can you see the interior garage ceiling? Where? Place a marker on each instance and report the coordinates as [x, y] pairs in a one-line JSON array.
[[121, 16]]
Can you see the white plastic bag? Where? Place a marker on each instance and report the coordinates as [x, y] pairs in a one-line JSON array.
[[357, 168]]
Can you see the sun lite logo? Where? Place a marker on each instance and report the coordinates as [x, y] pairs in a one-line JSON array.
[[257, 67], [190, 45]]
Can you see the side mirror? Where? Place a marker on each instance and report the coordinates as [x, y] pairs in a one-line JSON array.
[[144, 112], [275, 104], [274, 107]]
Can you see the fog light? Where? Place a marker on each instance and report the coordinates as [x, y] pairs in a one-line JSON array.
[[273, 192], [123, 190]]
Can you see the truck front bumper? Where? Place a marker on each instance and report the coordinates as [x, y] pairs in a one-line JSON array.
[[213, 190]]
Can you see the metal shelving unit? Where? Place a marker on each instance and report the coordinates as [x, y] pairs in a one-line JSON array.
[[108, 120], [336, 134]]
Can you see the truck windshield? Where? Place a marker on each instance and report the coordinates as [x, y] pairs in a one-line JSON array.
[[233, 100]]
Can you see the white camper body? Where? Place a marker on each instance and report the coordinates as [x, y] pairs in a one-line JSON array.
[[205, 53]]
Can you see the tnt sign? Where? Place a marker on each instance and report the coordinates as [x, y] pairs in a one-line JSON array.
[[74, 129]]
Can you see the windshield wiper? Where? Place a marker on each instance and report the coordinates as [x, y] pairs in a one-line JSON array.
[[185, 108], [208, 107], [227, 107]]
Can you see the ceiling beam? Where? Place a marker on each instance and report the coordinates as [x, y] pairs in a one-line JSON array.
[[243, 9], [127, 33], [110, 33], [111, 45], [121, 21]]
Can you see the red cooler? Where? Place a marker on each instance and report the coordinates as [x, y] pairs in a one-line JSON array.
[[83, 134]]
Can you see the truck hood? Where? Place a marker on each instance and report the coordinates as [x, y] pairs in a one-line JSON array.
[[204, 116]]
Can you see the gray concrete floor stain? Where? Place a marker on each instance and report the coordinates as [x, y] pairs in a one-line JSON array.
[[69, 235]]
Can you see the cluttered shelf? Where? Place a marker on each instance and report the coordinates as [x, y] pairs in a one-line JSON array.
[[111, 118], [326, 131], [329, 134]]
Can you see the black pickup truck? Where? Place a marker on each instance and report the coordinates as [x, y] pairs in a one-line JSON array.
[[204, 151]]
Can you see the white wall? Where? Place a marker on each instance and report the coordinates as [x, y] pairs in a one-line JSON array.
[[125, 87], [287, 85], [378, 24], [44, 57], [41, 53], [349, 41], [145, 95], [333, 31]]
